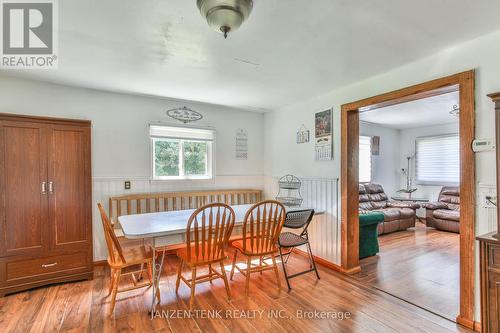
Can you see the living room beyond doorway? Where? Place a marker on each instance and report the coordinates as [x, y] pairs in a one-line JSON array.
[[409, 174], [408, 208]]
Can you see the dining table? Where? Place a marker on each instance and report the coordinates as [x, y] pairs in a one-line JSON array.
[[169, 228]]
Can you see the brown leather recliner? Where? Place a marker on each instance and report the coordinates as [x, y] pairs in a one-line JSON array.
[[398, 215], [445, 213]]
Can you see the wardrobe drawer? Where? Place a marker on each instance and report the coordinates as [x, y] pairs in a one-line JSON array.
[[48, 265], [494, 256]]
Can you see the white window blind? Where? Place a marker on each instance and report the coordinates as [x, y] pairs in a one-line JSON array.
[[365, 159], [437, 160], [174, 132]]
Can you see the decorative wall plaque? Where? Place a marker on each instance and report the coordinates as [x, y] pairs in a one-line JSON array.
[[323, 129], [184, 114], [241, 144], [303, 134]]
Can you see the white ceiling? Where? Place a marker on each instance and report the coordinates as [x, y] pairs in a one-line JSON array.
[[423, 112], [287, 51]]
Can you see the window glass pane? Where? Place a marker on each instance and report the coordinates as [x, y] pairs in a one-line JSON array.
[[438, 160], [365, 159], [195, 158], [166, 157]]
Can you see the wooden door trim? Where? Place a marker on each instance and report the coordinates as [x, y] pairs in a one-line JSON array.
[[462, 82]]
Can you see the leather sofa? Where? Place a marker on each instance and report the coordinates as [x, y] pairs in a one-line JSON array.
[[398, 215], [445, 213]]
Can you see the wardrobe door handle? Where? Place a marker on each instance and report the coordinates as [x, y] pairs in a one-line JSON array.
[[51, 187], [44, 188]]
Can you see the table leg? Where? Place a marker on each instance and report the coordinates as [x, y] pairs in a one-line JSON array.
[[156, 270]]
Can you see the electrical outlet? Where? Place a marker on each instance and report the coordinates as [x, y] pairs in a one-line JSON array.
[[127, 185]]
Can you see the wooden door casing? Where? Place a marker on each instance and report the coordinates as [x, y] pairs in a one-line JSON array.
[[23, 170], [69, 189]]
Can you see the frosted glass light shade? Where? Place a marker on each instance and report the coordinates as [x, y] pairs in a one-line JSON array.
[[225, 16]]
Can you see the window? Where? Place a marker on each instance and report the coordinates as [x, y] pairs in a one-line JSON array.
[[365, 159], [181, 152], [437, 160]]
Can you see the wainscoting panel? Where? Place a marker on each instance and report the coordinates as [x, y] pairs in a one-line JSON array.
[[322, 195], [487, 213], [104, 187]]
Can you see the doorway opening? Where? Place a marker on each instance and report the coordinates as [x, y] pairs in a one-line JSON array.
[[463, 84]]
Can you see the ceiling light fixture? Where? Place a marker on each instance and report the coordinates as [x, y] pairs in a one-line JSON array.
[[225, 16], [455, 111]]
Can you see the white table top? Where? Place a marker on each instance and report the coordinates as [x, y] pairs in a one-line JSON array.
[[170, 223]]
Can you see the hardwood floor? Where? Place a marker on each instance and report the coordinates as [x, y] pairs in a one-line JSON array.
[[83, 307], [418, 265]]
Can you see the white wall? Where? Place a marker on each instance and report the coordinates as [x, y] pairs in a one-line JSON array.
[[385, 166], [282, 155], [120, 142], [120, 125]]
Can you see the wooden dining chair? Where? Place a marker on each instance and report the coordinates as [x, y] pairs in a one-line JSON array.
[[261, 229], [207, 236], [120, 259]]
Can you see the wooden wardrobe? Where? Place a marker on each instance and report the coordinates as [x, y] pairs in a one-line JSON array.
[[45, 201], [490, 254]]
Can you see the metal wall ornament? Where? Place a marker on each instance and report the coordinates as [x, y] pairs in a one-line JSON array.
[[302, 134], [184, 114], [289, 191]]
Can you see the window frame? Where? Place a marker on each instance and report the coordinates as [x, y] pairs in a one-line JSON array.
[[371, 160], [210, 156], [415, 163]]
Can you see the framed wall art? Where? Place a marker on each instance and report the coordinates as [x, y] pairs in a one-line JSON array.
[[323, 130]]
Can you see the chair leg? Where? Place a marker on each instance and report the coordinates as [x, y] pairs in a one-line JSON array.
[[193, 286], [247, 283], [115, 289], [111, 282], [312, 259], [179, 273], [210, 271], [276, 272], [261, 259], [139, 278], [284, 269], [234, 264], [224, 277], [150, 272], [158, 294]]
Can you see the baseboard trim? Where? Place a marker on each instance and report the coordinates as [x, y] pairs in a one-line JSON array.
[[100, 263], [470, 324], [329, 264]]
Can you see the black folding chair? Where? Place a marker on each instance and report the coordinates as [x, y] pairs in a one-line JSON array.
[[289, 240]]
